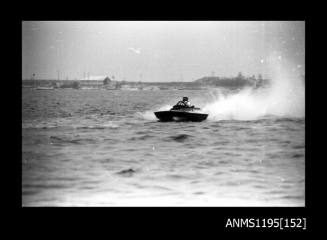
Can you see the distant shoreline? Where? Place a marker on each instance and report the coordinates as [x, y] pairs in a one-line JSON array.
[[202, 83]]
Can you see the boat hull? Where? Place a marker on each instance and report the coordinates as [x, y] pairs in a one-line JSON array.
[[166, 116]]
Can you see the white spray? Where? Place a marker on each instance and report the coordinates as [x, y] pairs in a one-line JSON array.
[[149, 115], [283, 98]]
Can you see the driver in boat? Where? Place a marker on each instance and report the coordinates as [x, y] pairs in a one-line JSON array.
[[183, 104]]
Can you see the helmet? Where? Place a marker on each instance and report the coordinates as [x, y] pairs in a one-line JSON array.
[[185, 98]]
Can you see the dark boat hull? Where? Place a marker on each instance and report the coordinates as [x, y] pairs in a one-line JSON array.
[[166, 116]]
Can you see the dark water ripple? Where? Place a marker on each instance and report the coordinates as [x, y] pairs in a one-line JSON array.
[[180, 137], [63, 140]]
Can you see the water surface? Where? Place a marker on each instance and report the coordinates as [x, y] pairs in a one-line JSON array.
[[105, 148]]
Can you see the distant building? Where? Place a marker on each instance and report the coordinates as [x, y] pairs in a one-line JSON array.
[[93, 81]]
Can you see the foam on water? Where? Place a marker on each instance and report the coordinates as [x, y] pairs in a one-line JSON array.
[[149, 115], [284, 97]]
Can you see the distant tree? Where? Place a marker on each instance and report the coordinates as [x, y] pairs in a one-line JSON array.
[[54, 84], [240, 76], [106, 81], [75, 85]]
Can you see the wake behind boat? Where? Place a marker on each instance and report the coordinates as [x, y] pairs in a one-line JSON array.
[[182, 111]]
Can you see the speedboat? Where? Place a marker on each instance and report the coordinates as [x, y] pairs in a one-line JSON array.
[[181, 114]]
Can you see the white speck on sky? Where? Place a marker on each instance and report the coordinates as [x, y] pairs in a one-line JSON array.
[[135, 50]]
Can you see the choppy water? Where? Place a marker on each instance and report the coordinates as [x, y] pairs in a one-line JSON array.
[[105, 148]]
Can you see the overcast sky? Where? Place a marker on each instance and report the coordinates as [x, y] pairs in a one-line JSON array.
[[156, 50]]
